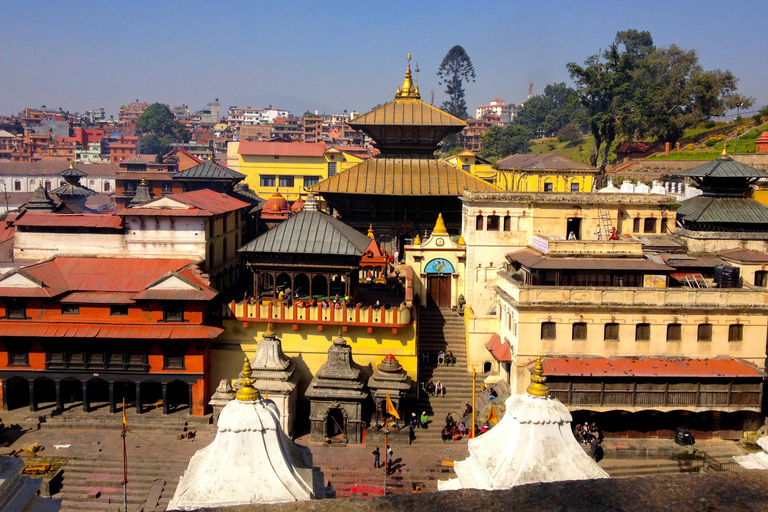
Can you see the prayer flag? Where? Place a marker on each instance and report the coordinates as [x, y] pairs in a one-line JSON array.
[[391, 408], [492, 415], [125, 420]]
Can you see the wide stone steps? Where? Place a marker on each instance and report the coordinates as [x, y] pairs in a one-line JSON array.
[[96, 484], [367, 482]]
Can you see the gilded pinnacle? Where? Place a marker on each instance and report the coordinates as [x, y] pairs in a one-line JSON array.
[[537, 386], [440, 226], [247, 393]]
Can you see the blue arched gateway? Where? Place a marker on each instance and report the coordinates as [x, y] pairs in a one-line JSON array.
[[439, 279]]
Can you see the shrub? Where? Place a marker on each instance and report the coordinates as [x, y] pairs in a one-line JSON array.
[[709, 143], [690, 147], [709, 124]]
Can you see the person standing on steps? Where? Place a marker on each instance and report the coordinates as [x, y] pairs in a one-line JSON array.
[[376, 457], [389, 460]]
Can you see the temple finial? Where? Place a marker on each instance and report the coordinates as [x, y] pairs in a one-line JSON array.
[[71, 165], [537, 386], [370, 231], [247, 393], [440, 226], [417, 240], [408, 90], [725, 151], [269, 332]]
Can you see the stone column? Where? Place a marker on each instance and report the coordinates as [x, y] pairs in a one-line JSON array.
[[32, 403], [165, 398], [191, 399], [112, 407], [139, 405], [86, 405], [59, 403]]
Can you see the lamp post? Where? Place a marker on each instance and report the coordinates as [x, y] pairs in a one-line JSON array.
[[385, 431]]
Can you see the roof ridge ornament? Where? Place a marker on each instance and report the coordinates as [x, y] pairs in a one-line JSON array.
[[537, 388], [408, 90], [440, 228], [247, 393]]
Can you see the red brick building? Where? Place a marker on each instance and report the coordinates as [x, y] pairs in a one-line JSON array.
[[88, 332]]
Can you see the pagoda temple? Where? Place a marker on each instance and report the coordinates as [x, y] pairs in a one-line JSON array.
[[403, 188]]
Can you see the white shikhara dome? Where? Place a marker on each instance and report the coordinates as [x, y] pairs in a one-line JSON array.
[[532, 443]]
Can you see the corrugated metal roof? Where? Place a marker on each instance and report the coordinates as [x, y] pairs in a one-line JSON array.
[[543, 161], [744, 256], [404, 177], [282, 148], [85, 220], [310, 232], [27, 329], [725, 167], [406, 112], [54, 168], [209, 170], [707, 209], [533, 260], [648, 367], [214, 202]]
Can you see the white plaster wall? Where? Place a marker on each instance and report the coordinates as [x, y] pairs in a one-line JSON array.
[[33, 246], [165, 237], [30, 183]]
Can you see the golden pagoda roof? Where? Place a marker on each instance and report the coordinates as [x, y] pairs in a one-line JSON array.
[[407, 109], [404, 177]]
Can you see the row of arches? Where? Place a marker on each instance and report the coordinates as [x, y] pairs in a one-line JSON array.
[[93, 394], [302, 285]]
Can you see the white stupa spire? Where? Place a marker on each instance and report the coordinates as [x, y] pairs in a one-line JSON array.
[[532, 443]]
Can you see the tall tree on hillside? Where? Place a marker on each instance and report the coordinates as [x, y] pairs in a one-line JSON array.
[[545, 114], [159, 129], [455, 69], [501, 142]]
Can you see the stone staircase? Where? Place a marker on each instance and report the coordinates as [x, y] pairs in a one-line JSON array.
[[442, 329], [96, 484]]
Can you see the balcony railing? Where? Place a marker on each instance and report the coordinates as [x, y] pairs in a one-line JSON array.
[[272, 311], [629, 297]]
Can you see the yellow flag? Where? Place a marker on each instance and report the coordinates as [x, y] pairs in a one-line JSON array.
[[492, 415], [125, 420], [391, 408]]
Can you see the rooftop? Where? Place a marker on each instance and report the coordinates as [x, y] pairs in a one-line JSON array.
[[83, 220], [549, 161], [724, 167], [649, 367], [209, 170], [316, 149]]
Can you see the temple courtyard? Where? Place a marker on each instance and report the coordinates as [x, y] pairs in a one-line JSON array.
[[92, 459]]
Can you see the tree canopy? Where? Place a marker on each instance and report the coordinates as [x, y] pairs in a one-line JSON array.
[[500, 142], [635, 90], [456, 69], [544, 114], [159, 129]]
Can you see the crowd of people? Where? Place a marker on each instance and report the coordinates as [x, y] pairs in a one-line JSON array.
[[434, 388], [590, 435], [453, 431], [438, 357]]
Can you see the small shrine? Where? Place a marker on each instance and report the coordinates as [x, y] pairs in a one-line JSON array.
[[72, 194], [532, 443], [373, 264], [389, 377], [40, 202], [249, 441], [336, 397], [439, 264], [224, 394], [275, 210], [275, 375]]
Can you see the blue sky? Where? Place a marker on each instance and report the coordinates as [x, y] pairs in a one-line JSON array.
[[333, 56]]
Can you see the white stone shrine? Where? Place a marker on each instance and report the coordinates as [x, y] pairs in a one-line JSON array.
[[532, 443], [251, 460]]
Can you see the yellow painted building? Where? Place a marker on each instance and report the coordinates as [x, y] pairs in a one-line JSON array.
[[288, 166], [544, 173], [307, 333], [470, 162]]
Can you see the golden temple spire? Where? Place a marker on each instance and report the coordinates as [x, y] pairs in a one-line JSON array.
[[537, 386], [461, 240], [247, 393], [417, 240], [269, 331], [71, 164], [725, 145], [370, 231], [439, 226], [408, 90]]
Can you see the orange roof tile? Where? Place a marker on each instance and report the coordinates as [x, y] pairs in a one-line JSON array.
[[315, 149]]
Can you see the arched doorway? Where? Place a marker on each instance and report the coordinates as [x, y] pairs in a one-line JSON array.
[[266, 284], [45, 393], [151, 394], [439, 280], [177, 394], [319, 286], [301, 286], [283, 283], [336, 425], [98, 394], [338, 286], [71, 392], [16, 393]]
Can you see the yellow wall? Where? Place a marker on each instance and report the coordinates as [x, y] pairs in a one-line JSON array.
[[296, 166], [535, 180], [481, 170], [308, 348]]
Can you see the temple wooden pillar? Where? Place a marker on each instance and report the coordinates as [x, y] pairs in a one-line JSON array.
[[191, 400], [139, 405], [84, 387], [32, 403], [112, 407], [165, 398], [59, 403]]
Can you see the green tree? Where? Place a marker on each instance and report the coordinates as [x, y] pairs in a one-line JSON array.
[[544, 114], [500, 142], [159, 129], [455, 69], [569, 133]]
